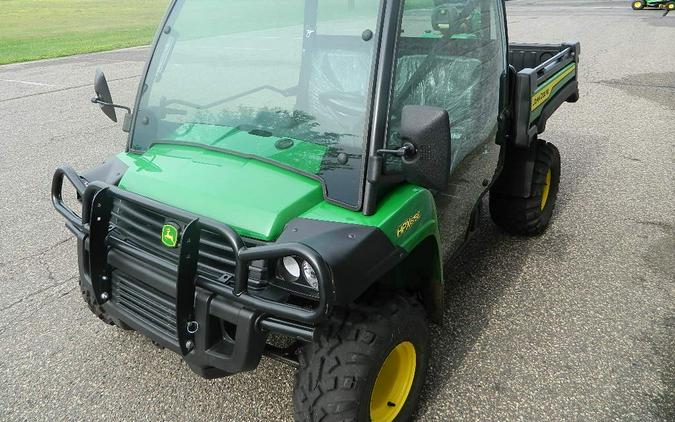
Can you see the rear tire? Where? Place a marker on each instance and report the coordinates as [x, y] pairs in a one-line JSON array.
[[670, 6], [96, 309], [367, 363], [638, 5], [532, 215]]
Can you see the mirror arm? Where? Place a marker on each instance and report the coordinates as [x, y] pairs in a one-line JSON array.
[[97, 100], [407, 150]]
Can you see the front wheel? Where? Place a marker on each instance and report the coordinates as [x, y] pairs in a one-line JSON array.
[[96, 308], [531, 215], [367, 364], [638, 5], [670, 6]]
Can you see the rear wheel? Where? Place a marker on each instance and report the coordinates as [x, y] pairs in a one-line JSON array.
[[638, 5], [367, 364], [531, 215], [670, 6]]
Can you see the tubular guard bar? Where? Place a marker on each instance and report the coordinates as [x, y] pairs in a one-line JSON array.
[[97, 198]]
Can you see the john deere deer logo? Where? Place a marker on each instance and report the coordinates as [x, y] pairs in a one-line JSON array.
[[170, 235]]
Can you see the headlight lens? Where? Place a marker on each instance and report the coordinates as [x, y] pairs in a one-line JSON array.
[[310, 275], [295, 270], [292, 268]]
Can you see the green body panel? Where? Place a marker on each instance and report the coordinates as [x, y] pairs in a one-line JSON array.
[[255, 198], [302, 155]]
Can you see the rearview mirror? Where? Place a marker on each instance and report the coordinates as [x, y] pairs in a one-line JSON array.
[[103, 97], [427, 131]]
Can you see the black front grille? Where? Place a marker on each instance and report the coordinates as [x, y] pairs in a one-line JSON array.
[[142, 228], [145, 303]]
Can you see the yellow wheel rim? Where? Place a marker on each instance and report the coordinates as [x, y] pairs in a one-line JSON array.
[[637, 4], [545, 189], [393, 383], [671, 6]]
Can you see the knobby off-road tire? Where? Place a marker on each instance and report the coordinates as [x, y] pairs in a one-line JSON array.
[[638, 5], [531, 216], [363, 358], [97, 310]]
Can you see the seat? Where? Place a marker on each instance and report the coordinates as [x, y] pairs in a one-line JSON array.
[[451, 83]]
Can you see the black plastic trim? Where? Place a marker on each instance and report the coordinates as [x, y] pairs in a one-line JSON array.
[[528, 79], [357, 255], [564, 95], [110, 172]]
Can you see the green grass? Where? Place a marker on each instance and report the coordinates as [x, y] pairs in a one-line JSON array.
[[40, 29]]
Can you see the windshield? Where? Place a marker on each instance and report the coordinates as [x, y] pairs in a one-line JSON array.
[[286, 81]]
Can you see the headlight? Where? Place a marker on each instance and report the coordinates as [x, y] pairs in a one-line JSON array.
[[310, 275], [289, 268], [298, 271]]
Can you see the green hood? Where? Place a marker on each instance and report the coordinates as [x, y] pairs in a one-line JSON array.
[[255, 198]]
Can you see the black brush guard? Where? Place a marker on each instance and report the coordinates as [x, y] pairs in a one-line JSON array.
[[124, 281]]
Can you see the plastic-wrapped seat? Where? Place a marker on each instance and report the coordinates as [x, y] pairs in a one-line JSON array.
[[452, 83]]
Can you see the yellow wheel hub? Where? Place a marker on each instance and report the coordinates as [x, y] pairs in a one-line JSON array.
[[393, 383], [671, 6], [545, 189], [637, 4]]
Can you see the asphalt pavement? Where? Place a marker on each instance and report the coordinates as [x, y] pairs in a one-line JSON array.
[[576, 324]]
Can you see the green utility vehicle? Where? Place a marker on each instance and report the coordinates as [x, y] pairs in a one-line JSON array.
[[653, 4], [296, 173]]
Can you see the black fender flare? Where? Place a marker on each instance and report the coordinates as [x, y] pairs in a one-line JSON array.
[[359, 256], [110, 172]]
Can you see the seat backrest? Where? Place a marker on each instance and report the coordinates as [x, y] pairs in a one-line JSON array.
[[449, 82]]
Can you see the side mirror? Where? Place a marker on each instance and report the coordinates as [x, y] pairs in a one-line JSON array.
[[103, 97], [425, 133]]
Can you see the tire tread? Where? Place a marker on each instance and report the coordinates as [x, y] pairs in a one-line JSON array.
[[524, 216]]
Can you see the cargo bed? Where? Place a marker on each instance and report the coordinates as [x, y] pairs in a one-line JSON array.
[[546, 77]]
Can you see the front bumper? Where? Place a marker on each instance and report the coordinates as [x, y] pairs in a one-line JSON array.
[[216, 321]]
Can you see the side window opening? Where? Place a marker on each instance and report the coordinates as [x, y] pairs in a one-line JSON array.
[[450, 54]]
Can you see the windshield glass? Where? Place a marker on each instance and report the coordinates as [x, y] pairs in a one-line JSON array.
[[286, 81]]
